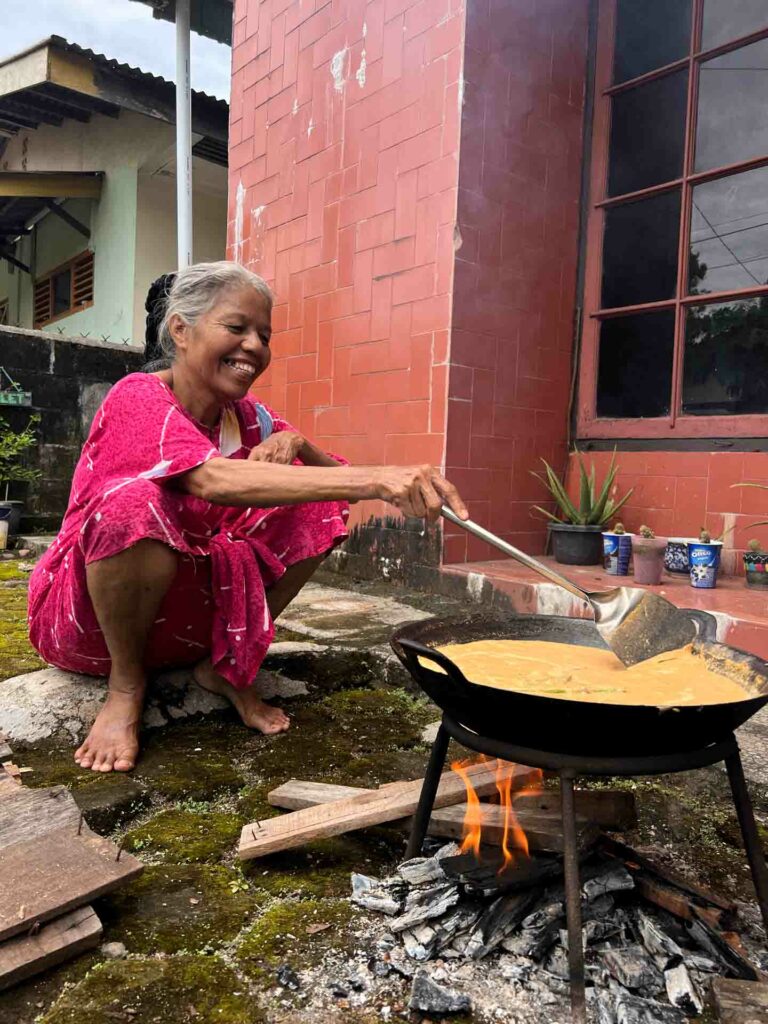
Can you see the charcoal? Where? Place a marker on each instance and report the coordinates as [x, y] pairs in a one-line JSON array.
[[540, 930], [681, 990], [448, 850], [372, 894], [599, 908], [731, 962], [697, 962], [287, 977], [488, 876], [515, 969], [421, 870], [557, 963], [420, 942], [386, 942], [633, 968], [458, 922], [613, 878], [603, 1004], [665, 951], [593, 932], [499, 920], [554, 983], [429, 996], [441, 899], [400, 961], [380, 968], [629, 1009]]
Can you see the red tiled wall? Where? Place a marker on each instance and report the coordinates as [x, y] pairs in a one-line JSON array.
[[514, 293], [676, 493], [343, 171]]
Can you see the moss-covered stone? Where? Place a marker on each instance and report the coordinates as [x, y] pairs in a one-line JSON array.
[[285, 933], [178, 990], [187, 837], [11, 573], [252, 802], [171, 908], [194, 761], [16, 653]]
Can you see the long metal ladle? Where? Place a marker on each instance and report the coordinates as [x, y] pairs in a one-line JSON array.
[[634, 623]]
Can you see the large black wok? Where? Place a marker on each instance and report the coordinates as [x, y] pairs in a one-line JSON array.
[[570, 726]]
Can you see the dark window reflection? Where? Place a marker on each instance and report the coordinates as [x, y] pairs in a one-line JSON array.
[[733, 107], [729, 233], [640, 251], [62, 290], [649, 35], [726, 359], [634, 375], [725, 20], [647, 134]]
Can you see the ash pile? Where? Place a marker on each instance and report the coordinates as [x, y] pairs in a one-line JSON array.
[[449, 911]]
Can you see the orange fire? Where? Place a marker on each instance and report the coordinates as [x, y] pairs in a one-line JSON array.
[[514, 842]]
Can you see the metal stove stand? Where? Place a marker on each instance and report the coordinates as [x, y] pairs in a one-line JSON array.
[[569, 766]]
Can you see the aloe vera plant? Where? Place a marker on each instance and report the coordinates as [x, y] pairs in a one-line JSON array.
[[596, 506]]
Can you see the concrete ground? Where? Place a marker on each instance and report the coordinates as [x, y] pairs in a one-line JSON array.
[[204, 935]]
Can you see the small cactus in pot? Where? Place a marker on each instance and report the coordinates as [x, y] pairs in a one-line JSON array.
[[648, 554], [617, 550], [704, 560], [756, 565]]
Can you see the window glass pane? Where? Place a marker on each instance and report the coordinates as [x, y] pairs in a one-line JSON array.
[[725, 20], [650, 34], [62, 288], [733, 107], [729, 233], [726, 359], [634, 376], [640, 251], [647, 134]]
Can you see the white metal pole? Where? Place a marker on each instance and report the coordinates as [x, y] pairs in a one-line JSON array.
[[183, 135]]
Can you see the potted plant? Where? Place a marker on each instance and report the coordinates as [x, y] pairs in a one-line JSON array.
[[14, 444], [704, 560], [648, 553], [617, 550], [676, 555], [756, 565], [577, 533]]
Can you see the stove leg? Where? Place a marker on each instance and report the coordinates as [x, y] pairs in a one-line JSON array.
[[752, 845], [428, 792], [573, 901]]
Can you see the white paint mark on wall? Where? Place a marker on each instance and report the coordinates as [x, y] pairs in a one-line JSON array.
[[257, 233], [239, 203], [337, 69], [365, 29], [475, 581], [310, 127], [360, 73], [295, 107], [461, 92]]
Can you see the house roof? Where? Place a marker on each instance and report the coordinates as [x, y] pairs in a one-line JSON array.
[[211, 18], [56, 79]]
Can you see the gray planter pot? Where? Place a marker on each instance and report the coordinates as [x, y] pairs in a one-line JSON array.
[[577, 545]]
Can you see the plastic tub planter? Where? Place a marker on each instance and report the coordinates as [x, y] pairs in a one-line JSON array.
[[577, 545], [704, 562], [676, 555], [617, 551]]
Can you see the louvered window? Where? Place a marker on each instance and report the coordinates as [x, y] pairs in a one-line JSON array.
[[65, 290], [3, 312]]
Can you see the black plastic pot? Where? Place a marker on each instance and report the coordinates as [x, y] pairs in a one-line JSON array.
[[11, 510], [577, 545]]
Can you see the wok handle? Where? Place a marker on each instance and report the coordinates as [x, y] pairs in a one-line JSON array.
[[513, 552], [412, 650]]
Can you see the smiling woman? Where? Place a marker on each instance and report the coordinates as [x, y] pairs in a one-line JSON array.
[[196, 515]]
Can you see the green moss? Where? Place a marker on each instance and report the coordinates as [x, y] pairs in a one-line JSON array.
[[175, 991], [194, 761], [252, 802], [16, 653], [10, 572], [171, 908], [23, 1003], [187, 836], [280, 936], [323, 868]]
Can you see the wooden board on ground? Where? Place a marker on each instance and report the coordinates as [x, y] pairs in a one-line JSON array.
[[740, 1002], [26, 813], [50, 874], [543, 829], [371, 808], [614, 809], [59, 940]]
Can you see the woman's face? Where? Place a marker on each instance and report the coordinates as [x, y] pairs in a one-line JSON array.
[[228, 347]]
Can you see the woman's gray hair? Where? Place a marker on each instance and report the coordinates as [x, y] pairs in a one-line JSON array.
[[198, 288]]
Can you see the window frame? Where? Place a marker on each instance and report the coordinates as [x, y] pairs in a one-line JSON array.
[[72, 265], [675, 425], [5, 312]]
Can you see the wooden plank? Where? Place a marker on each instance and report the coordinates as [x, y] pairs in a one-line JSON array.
[[26, 813], [740, 1002], [614, 809], [50, 874], [543, 829], [51, 184], [60, 940], [373, 808], [675, 902]]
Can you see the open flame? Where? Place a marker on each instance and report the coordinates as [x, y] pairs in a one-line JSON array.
[[514, 842]]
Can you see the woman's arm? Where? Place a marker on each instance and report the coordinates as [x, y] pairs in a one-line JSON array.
[[415, 490]]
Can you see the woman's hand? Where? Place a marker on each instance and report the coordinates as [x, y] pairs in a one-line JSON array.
[[418, 491], [283, 447]]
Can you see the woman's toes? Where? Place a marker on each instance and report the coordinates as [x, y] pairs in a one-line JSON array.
[[123, 764]]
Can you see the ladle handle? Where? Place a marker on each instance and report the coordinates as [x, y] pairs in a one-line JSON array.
[[513, 552]]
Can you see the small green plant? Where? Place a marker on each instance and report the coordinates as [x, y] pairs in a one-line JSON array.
[[596, 506], [14, 444], [646, 532], [754, 547], [619, 528], [705, 537]]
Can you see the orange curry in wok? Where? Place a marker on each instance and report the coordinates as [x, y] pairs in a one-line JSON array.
[[570, 672]]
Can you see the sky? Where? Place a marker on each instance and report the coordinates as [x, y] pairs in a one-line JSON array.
[[120, 29]]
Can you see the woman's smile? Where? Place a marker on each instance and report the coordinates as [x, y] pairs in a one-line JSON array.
[[242, 369]]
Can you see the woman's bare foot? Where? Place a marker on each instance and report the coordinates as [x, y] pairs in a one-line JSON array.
[[113, 742], [255, 713]]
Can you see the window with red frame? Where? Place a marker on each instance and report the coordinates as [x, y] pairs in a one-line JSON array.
[[675, 341]]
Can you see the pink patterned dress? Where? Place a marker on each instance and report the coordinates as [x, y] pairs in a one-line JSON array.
[[140, 440]]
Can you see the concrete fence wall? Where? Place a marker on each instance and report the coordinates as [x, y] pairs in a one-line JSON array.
[[68, 380]]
